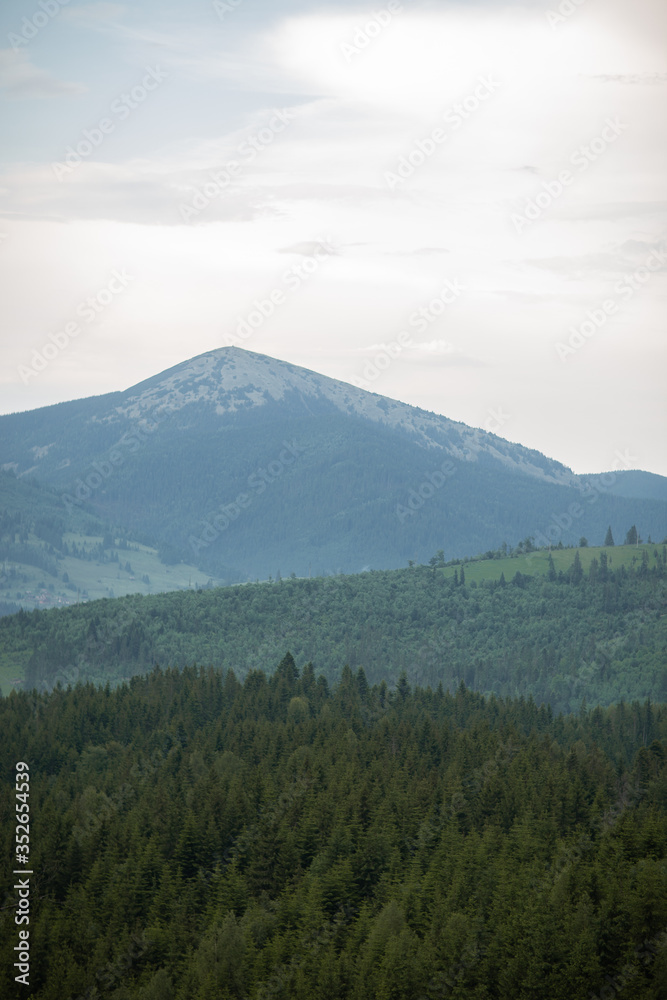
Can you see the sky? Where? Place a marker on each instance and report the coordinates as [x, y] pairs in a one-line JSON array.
[[461, 205]]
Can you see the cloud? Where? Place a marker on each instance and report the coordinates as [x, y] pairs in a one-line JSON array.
[[425, 352], [418, 252], [642, 79], [431, 347], [308, 248], [131, 193], [20, 79], [430, 251], [617, 260], [617, 210], [640, 248]]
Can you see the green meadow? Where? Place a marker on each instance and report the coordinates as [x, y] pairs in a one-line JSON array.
[[537, 563]]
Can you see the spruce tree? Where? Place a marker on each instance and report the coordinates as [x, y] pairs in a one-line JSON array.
[[609, 538], [551, 571]]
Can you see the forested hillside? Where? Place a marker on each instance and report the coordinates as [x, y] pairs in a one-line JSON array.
[[193, 837], [599, 635]]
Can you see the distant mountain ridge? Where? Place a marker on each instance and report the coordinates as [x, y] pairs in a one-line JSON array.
[[196, 460], [635, 483]]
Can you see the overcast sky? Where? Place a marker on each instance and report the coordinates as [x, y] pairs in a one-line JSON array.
[[458, 205]]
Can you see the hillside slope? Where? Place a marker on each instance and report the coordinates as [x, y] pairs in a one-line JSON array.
[[601, 636]]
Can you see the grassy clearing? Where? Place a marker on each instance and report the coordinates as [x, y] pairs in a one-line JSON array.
[[537, 563], [32, 587]]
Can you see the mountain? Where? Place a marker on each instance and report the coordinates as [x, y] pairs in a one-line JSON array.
[[231, 381], [633, 483], [246, 466]]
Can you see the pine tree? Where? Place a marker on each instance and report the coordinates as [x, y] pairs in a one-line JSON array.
[[403, 688], [609, 538], [631, 537], [551, 571], [362, 684], [287, 670]]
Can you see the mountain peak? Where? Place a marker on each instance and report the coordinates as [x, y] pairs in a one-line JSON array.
[[232, 379]]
